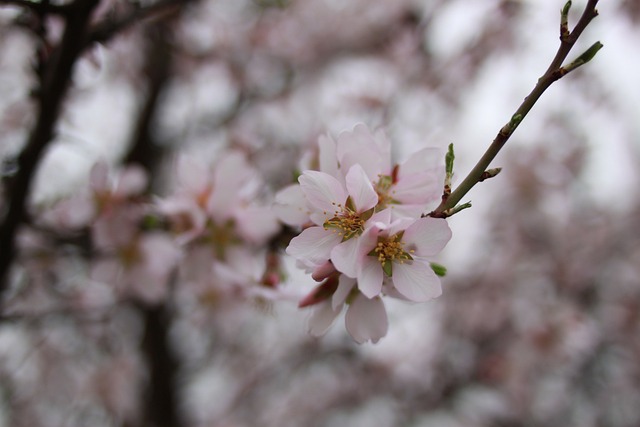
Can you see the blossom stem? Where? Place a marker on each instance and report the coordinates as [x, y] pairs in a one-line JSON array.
[[554, 72]]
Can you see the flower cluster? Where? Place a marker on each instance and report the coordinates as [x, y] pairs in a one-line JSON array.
[[216, 216], [210, 233], [364, 234]]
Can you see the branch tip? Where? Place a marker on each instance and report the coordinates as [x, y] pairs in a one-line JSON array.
[[585, 57], [564, 21]]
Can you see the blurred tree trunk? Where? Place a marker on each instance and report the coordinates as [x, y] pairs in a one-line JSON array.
[[160, 406]]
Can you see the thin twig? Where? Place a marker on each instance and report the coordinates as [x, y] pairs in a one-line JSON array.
[[554, 72]]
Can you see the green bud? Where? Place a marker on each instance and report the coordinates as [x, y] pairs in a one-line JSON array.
[[448, 160], [439, 269]]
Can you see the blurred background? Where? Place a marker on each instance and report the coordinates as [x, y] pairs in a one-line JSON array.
[[539, 321]]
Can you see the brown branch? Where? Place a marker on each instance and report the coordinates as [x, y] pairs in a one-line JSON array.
[[554, 72], [54, 84], [161, 399], [39, 7], [105, 30]]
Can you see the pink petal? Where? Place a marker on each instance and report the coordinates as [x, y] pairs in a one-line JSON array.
[[256, 224], [399, 224], [232, 177], [417, 188], [416, 281], [407, 211], [327, 155], [366, 319], [192, 174], [425, 159], [345, 257], [131, 181], [427, 236], [323, 271], [233, 170], [360, 189], [99, 176], [291, 206], [367, 241], [370, 277], [322, 317], [323, 191], [314, 244], [360, 146], [345, 284]]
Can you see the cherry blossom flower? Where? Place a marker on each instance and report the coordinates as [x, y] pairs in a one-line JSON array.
[[107, 191], [398, 253], [409, 188], [339, 213], [140, 268], [211, 199]]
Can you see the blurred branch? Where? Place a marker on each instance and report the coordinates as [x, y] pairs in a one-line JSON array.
[[54, 83], [55, 80], [554, 72], [161, 400], [161, 397], [40, 7], [105, 30]]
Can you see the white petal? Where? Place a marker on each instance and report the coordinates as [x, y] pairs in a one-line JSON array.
[[425, 159], [192, 174], [131, 181], [99, 176], [370, 277], [367, 241], [360, 189], [417, 188], [322, 317], [256, 224], [366, 319], [407, 211], [314, 244], [345, 284], [399, 224], [327, 155], [323, 271], [345, 257], [323, 191], [233, 170], [233, 179], [362, 147], [291, 206], [416, 281], [380, 220], [427, 236]]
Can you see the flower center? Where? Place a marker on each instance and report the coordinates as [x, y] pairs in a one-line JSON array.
[[347, 222], [390, 249], [385, 194]]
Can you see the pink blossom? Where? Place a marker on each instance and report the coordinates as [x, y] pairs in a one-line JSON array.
[[365, 319], [340, 214], [141, 268], [399, 252], [109, 190], [291, 206], [217, 198]]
